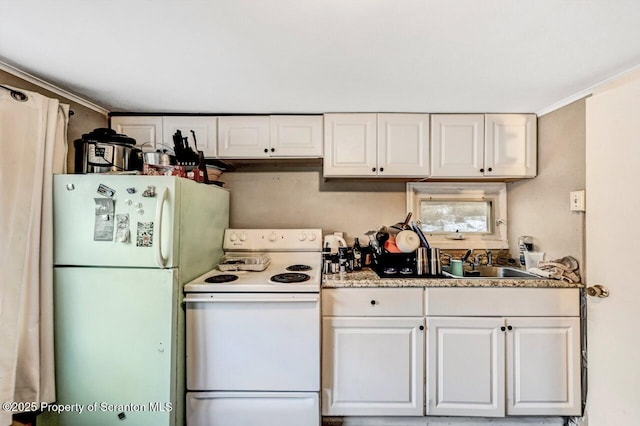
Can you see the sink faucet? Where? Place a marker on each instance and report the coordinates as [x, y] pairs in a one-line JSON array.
[[489, 258], [476, 259]]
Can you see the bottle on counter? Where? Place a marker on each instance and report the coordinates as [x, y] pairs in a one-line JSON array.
[[525, 243], [357, 255], [343, 259], [327, 260]]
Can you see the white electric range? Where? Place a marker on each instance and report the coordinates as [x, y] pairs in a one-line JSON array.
[[253, 336]]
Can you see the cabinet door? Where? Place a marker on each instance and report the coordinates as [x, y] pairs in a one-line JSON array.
[[403, 145], [296, 136], [465, 366], [205, 128], [350, 145], [372, 366], [457, 145], [146, 130], [510, 145], [243, 137], [543, 366]]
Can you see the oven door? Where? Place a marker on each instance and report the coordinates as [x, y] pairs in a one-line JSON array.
[[253, 342]]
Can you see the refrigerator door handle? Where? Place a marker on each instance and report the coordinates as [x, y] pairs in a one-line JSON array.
[[162, 261]]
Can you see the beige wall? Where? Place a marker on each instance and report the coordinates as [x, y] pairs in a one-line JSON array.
[[302, 199], [537, 207], [83, 121], [540, 207]]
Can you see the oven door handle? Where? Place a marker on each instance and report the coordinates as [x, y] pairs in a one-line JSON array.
[[285, 299]]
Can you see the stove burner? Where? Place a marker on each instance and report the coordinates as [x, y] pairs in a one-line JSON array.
[[222, 278], [290, 278], [298, 268]]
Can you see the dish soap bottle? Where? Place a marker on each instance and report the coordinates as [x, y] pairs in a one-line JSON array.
[[525, 243]]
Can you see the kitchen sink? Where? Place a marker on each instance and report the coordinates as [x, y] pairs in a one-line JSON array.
[[495, 272]]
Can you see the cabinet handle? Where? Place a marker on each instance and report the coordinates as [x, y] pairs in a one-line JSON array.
[[274, 150], [382, 169], [421, 327], [503, 328], [490, 169], [373, 302], [509, 328], [481, 170], [266, 150], [373, 169]]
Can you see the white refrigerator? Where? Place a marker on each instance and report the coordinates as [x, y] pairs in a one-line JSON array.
[[123, 248]]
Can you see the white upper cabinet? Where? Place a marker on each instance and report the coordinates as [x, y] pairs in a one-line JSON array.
[[510, 145], [403, 145], [383, 145], [146, 130], [483, 146], [205, 128], [243, 136], [286, 136], [296, 136], [350, 144], [156, 132], [457, 145]]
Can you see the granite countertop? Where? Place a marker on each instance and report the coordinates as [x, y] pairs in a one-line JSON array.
[[368, 278]]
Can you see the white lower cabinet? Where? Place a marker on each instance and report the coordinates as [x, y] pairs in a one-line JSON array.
[[489, 352], [543, 366], [465, 367], [373, 365], [492, 366]]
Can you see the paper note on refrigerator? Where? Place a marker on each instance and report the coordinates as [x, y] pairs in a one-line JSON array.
[[104, 223]]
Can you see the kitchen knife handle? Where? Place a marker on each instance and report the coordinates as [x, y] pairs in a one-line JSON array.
[[160, 259]]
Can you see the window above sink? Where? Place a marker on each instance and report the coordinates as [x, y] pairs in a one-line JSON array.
[[460, 215]]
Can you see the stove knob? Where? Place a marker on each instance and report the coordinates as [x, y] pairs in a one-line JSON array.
[[312, 237], [273, 237], [243, 237], [302, 237], [233, 237]]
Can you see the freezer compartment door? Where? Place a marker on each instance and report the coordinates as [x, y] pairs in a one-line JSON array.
[[127, 225], [258, 342], [252, 409], [115, 343]]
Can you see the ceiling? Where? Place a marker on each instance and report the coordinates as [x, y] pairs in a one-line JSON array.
[[306, 56]]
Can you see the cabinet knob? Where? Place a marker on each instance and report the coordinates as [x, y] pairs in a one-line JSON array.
[[274, 150], [373, 302], [421, 327], [503, 328], [509, 328], [481, 170], [373, 169], [382, 169], [266, 150], [490, 169]]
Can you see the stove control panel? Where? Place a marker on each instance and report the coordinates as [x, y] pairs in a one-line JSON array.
[[273, 239]]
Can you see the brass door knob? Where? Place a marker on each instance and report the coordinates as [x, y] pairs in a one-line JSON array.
[[598, 291]]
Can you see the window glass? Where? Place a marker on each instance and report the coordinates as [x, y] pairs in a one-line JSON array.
[[446, 216]]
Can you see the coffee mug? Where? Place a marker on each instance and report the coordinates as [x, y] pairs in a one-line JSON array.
[[456, 267]]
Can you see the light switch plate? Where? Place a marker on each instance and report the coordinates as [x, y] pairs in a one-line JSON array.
[[577, 201]]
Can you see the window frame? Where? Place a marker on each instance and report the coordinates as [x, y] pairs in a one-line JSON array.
[[464, 191]]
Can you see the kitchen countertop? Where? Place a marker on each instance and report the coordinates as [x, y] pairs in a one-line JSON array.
[[368, 278]]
